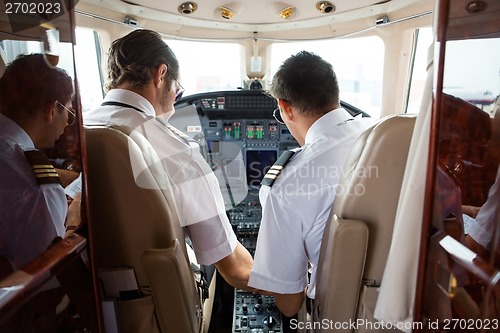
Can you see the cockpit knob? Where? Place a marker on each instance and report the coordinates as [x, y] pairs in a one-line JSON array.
[[269, 321]]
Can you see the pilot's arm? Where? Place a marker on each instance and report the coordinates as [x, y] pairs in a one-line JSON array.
[[472, 211], [288, 304], [73, 219], [481, 231], [235, 268], [66, 176]]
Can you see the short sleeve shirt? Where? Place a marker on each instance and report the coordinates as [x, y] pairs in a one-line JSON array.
[[31, 215], [196, 190], [296, 207]]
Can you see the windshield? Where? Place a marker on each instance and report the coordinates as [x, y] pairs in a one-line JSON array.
[[357, 62], [208, 66]]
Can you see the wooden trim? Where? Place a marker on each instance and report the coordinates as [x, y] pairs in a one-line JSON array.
[[17, 288]]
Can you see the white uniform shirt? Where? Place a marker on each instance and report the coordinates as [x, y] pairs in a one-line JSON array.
[[198, 198], [296, 207], [488, 218], [31, 215]]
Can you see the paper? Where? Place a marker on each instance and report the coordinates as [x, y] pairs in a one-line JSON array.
[[75, 187]]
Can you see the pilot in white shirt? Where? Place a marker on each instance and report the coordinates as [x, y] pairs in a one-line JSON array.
[[33, 206], [31, 214], [196, 190], [297, 193], [143, 87], [296, 206]]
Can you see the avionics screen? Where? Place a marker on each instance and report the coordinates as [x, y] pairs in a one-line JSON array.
[[258, 163]]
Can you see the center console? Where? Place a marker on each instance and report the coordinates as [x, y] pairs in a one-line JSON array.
[[255, 314]]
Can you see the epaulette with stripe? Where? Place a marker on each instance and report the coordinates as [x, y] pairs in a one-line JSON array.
[[42, 168], [178, 132], [277, 167]]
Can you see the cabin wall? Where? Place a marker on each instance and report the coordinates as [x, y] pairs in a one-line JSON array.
[[398, 40]]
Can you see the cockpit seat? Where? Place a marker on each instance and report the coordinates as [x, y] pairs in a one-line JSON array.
[[358, 234], [135, 225]]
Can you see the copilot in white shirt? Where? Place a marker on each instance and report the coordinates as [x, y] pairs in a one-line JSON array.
[[196, 191], [296, 207]]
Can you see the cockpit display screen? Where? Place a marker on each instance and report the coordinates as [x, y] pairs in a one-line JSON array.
[[258, 162]]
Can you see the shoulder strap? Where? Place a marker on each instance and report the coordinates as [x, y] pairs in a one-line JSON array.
[[113, 103], [42, 168], [277, 167]]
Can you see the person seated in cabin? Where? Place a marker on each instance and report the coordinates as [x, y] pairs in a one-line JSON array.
[[35, 102], [490, 172], [298, 191], [484, 219], [143, 86], [482, 228], [33, 115]]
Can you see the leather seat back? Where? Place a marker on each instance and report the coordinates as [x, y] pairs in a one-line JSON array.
[[135, 225], [358, 234]]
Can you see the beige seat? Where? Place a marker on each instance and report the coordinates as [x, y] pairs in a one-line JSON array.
[[358, 234], [135, 224]]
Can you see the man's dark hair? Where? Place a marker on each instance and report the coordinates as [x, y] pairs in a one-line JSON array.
[[134, 58], [307, 82], [29, 83]]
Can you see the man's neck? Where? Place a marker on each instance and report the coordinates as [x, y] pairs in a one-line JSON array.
[[147, 91]]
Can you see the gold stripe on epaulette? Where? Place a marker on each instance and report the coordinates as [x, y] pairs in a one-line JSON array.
[[275, 170], [46, 175], [45, 170], [42, 166]]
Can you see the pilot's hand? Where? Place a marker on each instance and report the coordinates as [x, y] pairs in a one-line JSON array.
[[66, 176], [472, 211], [74, 218]]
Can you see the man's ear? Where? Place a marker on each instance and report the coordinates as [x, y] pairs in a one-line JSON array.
[[48, 111], [160, 75], [286, 108]]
